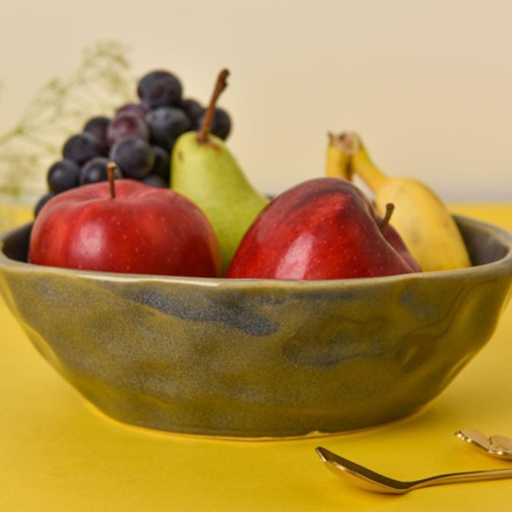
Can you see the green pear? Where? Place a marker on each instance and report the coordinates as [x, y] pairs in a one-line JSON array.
[[204, 170]]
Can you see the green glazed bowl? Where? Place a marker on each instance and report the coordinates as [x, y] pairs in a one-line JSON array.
[[259, 358]]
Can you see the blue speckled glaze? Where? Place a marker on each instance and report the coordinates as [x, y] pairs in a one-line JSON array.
[[260, 358]]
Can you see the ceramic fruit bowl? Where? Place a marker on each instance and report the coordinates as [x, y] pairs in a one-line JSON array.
[[260, 358]]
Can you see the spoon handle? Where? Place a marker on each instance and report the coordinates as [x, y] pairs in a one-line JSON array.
[[469, 476]]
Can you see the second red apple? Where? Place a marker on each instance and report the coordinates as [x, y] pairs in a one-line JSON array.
[[324, 228]]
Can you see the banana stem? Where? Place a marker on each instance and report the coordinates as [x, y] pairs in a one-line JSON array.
[[362, 165], [337, 162]]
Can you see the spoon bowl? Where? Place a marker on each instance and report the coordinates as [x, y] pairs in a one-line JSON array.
[[369, 480]]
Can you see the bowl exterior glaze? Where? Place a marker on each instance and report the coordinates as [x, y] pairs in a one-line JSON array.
[[260, 358]]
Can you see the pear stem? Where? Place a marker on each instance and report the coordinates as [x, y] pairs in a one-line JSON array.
[[220, 85], [390, 208], [111, 171]]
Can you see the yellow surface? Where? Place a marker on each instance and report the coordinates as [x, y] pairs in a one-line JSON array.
[[58, 455]]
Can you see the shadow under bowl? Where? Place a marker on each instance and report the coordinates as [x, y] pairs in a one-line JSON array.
[[259, 358]]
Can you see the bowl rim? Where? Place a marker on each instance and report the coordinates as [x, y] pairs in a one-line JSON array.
[[502, 266]]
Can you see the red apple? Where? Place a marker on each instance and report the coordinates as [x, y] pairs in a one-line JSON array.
[[142, 230], [324, 228]]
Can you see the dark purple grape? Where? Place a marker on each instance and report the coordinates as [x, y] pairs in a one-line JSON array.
[[81, 148], [63, 175], [98, 126], [154, 181], [161, 166], [166, 124], [42, 201], [221, 123], [135, 108], [193, 110], [95, 171], [133, 156], [159, 89], [127, 124]]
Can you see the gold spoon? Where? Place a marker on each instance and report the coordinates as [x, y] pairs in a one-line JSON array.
[[371, 481], [496, 446]]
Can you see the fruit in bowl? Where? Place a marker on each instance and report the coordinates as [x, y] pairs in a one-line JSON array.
[[154, 121], [128, 227], [259, 358], [205, 171], [324, 228], [347, 334], [421, 217]]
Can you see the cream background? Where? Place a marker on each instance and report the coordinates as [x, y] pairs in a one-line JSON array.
[[428, 84]]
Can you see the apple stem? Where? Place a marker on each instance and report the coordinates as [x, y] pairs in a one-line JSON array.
[[220, 85], [390, 207], [111, 171]]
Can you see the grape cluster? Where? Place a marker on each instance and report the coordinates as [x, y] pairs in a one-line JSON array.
[[139, 138]]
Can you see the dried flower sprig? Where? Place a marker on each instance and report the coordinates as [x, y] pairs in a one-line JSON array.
[[102, 82]]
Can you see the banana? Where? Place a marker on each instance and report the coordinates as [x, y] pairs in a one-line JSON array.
[[337, 157], [420, 217]]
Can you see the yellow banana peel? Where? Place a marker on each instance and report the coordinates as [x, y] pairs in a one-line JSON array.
[[337, 158], [420, 216]]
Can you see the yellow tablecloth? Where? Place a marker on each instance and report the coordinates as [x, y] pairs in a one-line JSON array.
[[58, 455]]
